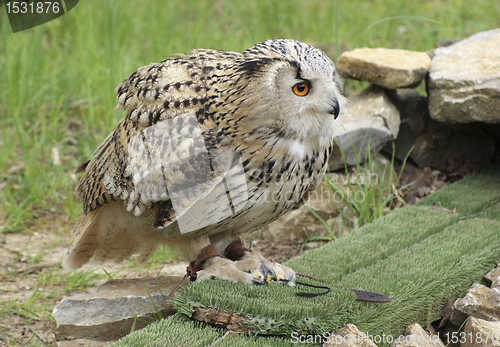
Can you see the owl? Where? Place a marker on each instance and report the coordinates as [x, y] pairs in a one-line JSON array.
[[213, 144]]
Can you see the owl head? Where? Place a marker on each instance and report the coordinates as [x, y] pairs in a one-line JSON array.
[[289, 87]]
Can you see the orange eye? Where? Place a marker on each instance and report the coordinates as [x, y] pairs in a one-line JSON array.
[[301, 89]]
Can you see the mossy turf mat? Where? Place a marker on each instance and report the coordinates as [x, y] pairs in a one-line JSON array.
[[419, 256]]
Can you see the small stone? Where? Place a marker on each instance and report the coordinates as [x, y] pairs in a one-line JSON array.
[[369, 118], [493, 278], [480, 333], [445, 43], [388, 68], [109, 313], [348, 336], [480, 302], [464, 80], [416, 336]]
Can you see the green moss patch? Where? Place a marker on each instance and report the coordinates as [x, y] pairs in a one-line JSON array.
[[469, 196], [179, 330]]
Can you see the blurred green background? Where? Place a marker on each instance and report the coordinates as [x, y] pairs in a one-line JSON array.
[[57, 80]]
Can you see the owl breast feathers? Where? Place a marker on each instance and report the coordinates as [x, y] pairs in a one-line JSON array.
[[213, 144]]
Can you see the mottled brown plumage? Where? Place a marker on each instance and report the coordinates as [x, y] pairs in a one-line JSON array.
[[213, 144]]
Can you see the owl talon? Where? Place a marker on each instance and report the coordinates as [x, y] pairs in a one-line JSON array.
[[290, 279], [257, 281], [271, 273], [264, 272]]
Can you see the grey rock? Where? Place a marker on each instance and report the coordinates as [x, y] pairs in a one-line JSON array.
[[480, 302], [416, 336], [369, 118], [388, 68], [464, 80], [493, 278], [414, 112], [481, 333], [441, 143], [348, 336], [109, 313]]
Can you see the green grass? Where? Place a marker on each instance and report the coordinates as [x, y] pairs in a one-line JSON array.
[[57, 80], [373, 193], [367, 193]]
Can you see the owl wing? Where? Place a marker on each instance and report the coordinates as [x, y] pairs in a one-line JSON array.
[[166, 153], [164, 162]]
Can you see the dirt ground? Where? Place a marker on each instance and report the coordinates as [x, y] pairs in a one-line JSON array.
[[22, 256], [32, 281]]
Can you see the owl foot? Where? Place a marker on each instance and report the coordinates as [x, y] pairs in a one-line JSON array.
[[271, 270], [239, 265]]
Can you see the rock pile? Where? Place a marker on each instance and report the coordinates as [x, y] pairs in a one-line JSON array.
[[479, 309], [458, 120]]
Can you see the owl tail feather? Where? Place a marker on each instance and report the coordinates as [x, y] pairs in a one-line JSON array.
[[104, 234], [84, 244]]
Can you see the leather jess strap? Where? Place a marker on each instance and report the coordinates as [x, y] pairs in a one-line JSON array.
[[191, 272]]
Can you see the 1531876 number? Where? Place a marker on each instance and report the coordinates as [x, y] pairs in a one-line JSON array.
[[32, 7]]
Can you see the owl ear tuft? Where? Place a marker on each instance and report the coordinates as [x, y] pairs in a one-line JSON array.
[[254, 65]]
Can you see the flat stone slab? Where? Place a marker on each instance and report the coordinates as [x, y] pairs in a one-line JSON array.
[[388, 68], [110, 313], [464, 80]]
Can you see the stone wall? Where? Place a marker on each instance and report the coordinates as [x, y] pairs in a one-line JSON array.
[[458, 121]]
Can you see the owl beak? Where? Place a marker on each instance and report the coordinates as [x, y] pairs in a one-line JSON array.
[[335, 110]]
